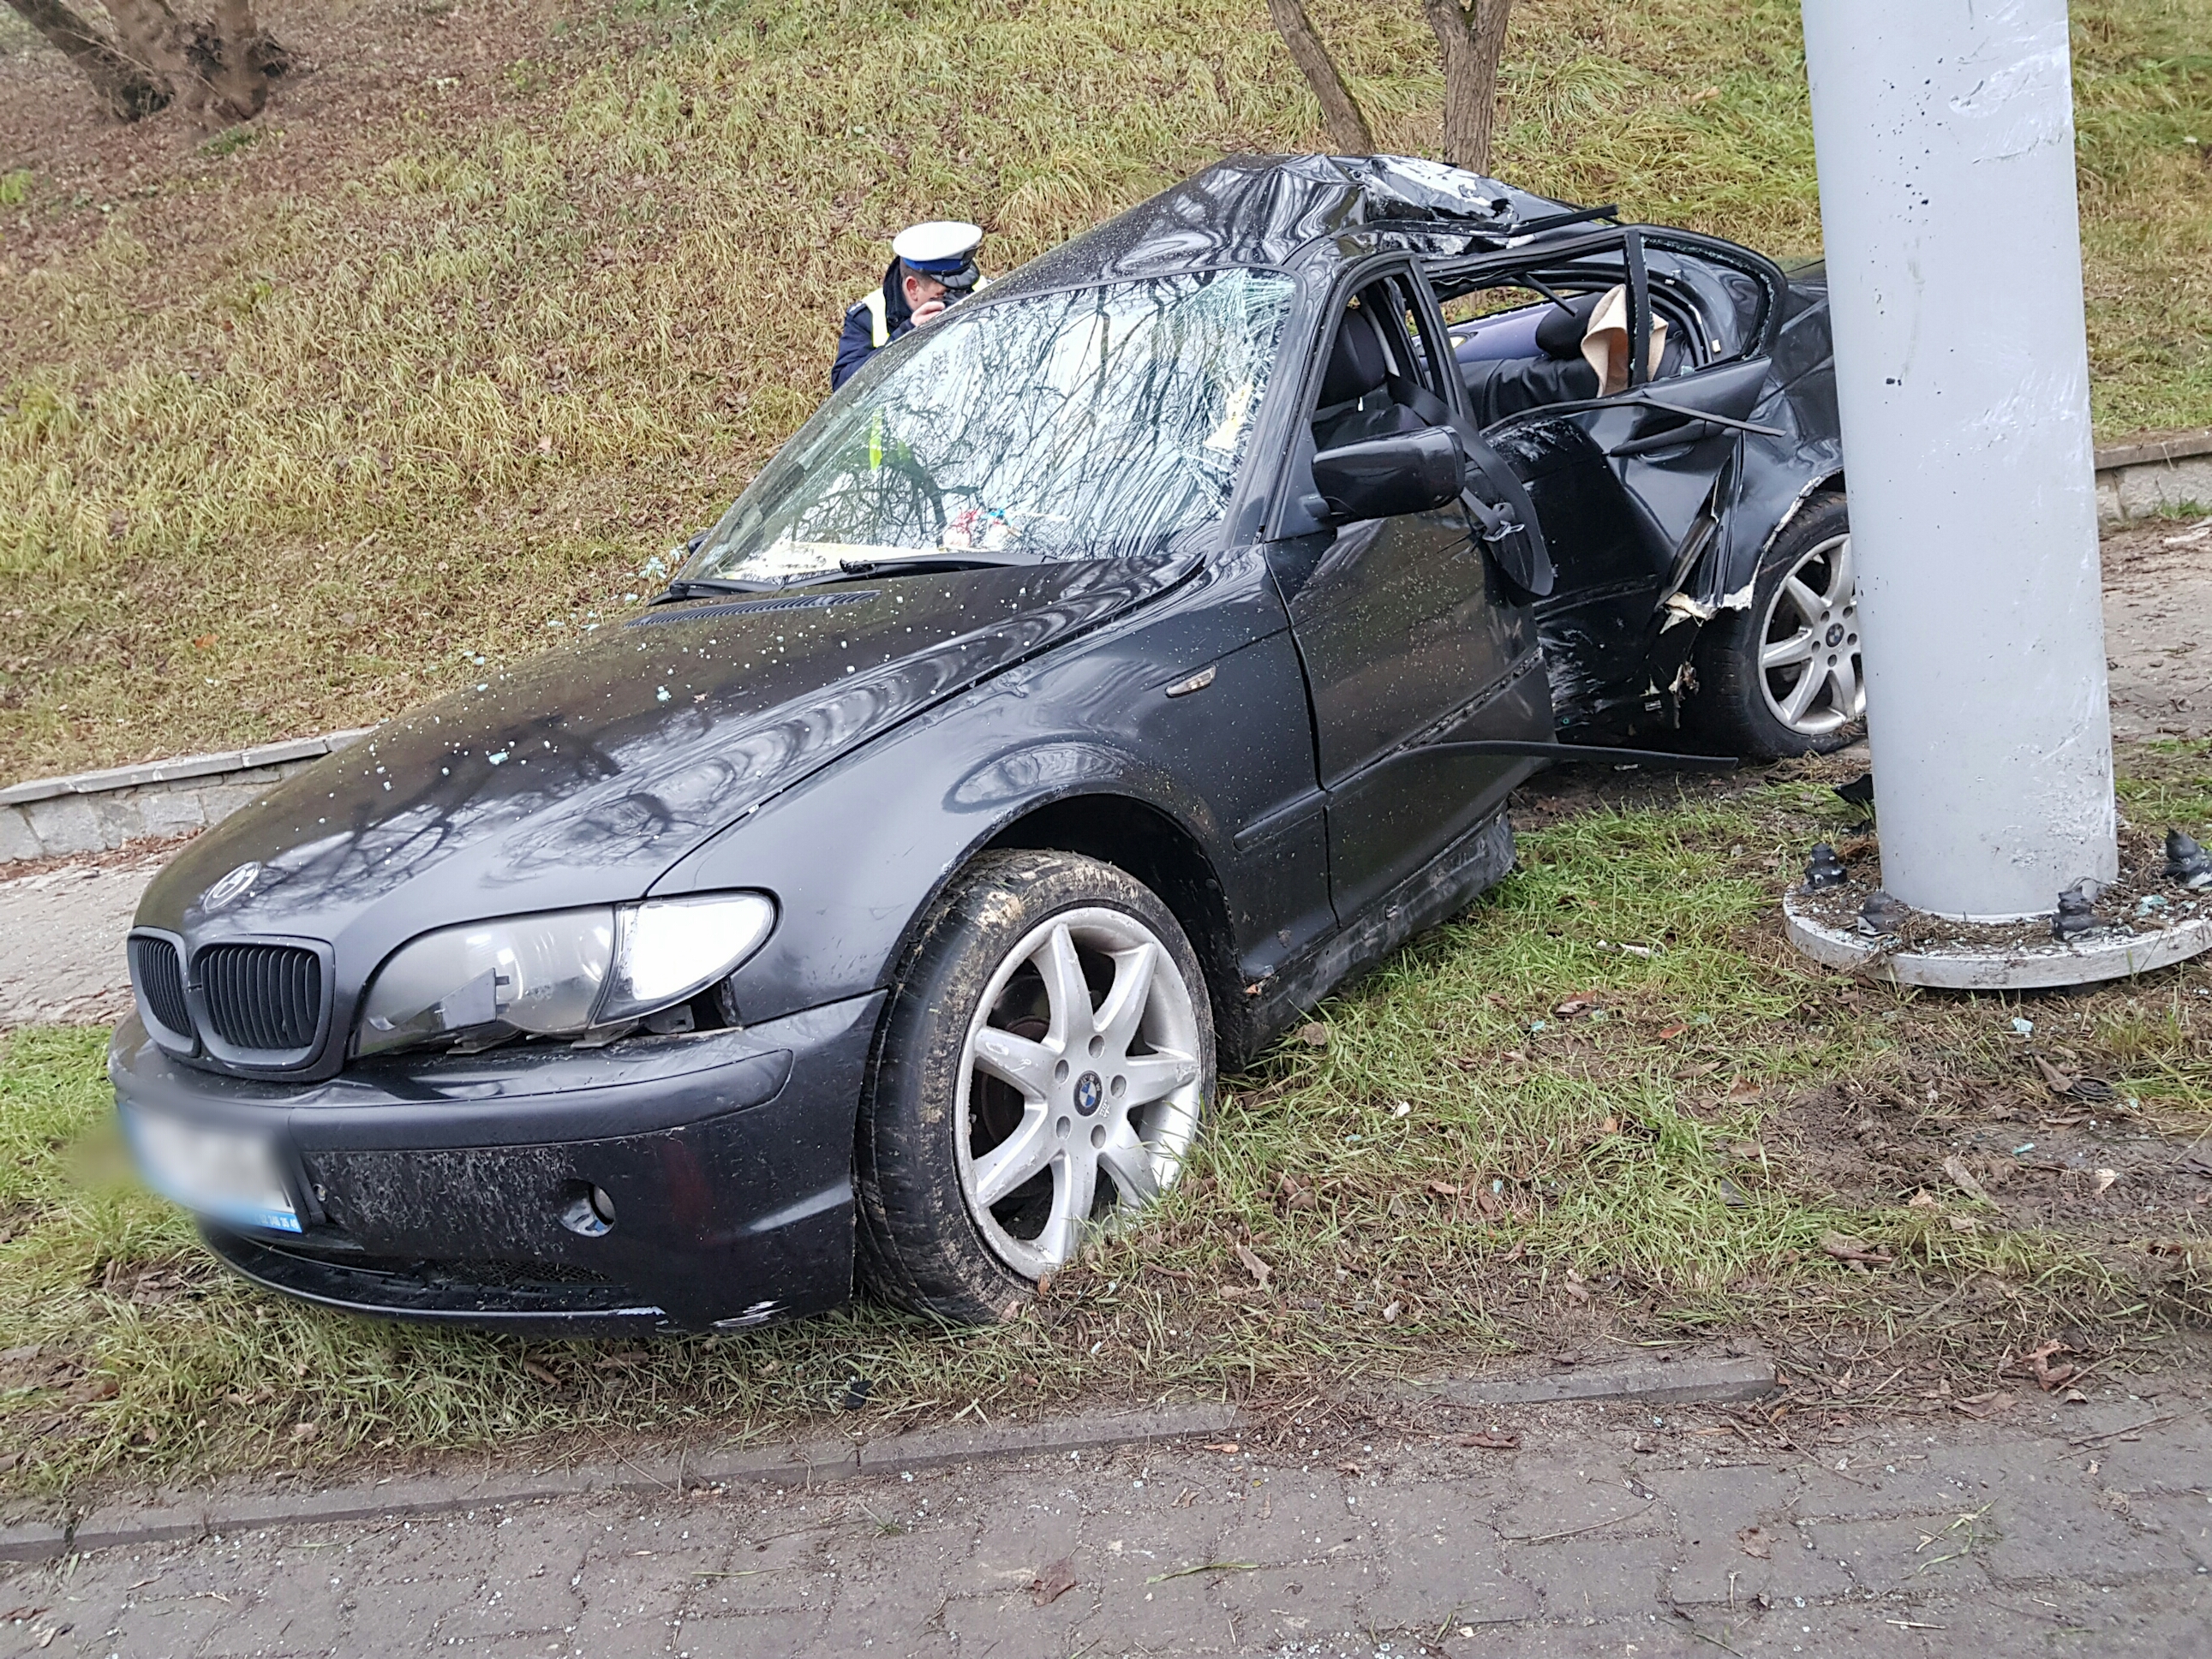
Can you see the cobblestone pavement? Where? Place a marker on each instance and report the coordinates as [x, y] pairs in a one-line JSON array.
[[61, 938], [1605, 1531]]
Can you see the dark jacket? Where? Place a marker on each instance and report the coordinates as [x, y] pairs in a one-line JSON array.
[[857, 342]]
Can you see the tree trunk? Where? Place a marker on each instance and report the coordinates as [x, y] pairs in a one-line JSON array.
[[222, 67], [128, 88], [1472, 35], [1347, 127]]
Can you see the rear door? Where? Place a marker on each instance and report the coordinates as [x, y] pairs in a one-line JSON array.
[[1406, 631], [1629, 489]]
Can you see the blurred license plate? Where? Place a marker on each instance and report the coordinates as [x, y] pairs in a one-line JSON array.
[[231, 1175]]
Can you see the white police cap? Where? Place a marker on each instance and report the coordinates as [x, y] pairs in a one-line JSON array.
[[942, 247]]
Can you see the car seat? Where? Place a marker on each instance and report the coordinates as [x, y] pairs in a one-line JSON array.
[[1503, 386], [1356, 399]]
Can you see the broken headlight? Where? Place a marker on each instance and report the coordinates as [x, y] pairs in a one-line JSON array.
[[563, 973]]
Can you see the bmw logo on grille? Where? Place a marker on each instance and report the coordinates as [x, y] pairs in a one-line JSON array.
[[231, 888], [1089, 1091]]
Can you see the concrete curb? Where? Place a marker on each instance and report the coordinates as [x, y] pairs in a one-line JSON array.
[[99, 811], [2159, 472], [1652, 1382], [185, 1516]]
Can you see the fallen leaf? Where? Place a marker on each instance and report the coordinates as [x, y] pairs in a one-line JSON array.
[[306, 1430], [1444, 1189], [93, 1390], [1964, 1223], [1489, 1440], [1390, 1313], [1610, 1127], [2047, 1375], [1573, 1286], [1314, 1036], [1669, 1033], [1053, 1582], [1955, 1167], [2106, 1178], [2074, 1397], [203, 641], [1854, 1250], [1260, 1271], [1740, 1091], [1349, 1467], [543, 1374], [1756, 1544], [1291, 1195], [1225, 1447], [1922, 1199], [1581, 1004], [1985, 1404], [2059, 1082]]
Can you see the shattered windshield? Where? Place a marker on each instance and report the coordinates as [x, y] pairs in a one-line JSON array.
[[1097, 422]]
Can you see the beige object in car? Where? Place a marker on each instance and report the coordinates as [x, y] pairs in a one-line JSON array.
[[1606, 345]]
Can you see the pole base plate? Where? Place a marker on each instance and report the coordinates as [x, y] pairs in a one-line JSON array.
[[2108, 953]]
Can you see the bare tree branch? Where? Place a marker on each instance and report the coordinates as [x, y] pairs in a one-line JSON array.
[[1347, 127], [1471, 33]]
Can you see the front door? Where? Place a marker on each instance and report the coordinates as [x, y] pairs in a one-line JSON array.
[[1629, 484], [1407, 633]]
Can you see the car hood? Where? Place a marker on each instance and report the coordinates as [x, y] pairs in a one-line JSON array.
[[578, 777]]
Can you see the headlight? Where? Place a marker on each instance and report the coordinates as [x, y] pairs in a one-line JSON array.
[[562, 973]]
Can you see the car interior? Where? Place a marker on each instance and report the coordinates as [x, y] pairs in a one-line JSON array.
[[1529, 353], [1380, 370]]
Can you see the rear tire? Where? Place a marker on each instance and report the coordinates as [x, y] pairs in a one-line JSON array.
[[1043, 1070], [1754, 665]]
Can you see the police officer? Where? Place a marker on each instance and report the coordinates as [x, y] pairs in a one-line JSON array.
[[932, 266]]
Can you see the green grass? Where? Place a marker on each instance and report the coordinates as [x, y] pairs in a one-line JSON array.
[[288, 442], [1421, 1183]]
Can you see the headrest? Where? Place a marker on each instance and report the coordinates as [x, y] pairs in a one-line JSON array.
[[1560, 333], [1358, 363]]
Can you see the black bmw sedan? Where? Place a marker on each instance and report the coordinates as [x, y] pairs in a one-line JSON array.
[[1103, 674]]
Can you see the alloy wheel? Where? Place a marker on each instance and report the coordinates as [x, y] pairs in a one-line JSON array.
[[1809, 643], [1079, 1085]]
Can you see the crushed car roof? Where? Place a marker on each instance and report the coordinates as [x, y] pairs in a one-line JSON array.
[[1264, 209]]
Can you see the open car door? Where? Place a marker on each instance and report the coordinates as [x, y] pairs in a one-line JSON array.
[[1629, 483]]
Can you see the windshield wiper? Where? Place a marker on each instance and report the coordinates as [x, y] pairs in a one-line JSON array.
[[703, 587], [707, 587], [977, 561]]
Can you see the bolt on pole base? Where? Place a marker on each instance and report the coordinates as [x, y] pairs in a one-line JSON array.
[[1963, 965]]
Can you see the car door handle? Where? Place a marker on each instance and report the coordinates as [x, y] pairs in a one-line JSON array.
[[1672, 437]]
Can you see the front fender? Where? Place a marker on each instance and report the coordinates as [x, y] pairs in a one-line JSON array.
[[857, 851]]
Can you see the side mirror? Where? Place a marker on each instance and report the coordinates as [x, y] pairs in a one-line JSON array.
[[1382, 478]]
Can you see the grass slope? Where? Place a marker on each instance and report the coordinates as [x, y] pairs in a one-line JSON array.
[[1518, 1134], [303, 424]]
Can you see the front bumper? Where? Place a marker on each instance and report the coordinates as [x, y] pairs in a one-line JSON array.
[[436, 1189]]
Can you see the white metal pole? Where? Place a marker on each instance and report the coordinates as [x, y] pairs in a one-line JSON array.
[[1944, 131]]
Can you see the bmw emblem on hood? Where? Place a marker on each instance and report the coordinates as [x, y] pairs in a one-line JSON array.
[[231, 888]]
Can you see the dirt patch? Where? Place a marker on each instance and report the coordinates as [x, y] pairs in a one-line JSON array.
[[2087, 1160], [2158, 648]]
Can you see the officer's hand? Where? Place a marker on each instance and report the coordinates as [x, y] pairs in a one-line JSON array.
[[928, 311]]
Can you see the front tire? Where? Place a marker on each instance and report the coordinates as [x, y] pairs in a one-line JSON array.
[[1044, 1068], [1784, 677]]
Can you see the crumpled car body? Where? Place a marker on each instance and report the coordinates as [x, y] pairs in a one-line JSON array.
[[1299, 730]]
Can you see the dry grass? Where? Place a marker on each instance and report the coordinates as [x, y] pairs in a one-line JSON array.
[[299, 421], [1461, 1163]]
